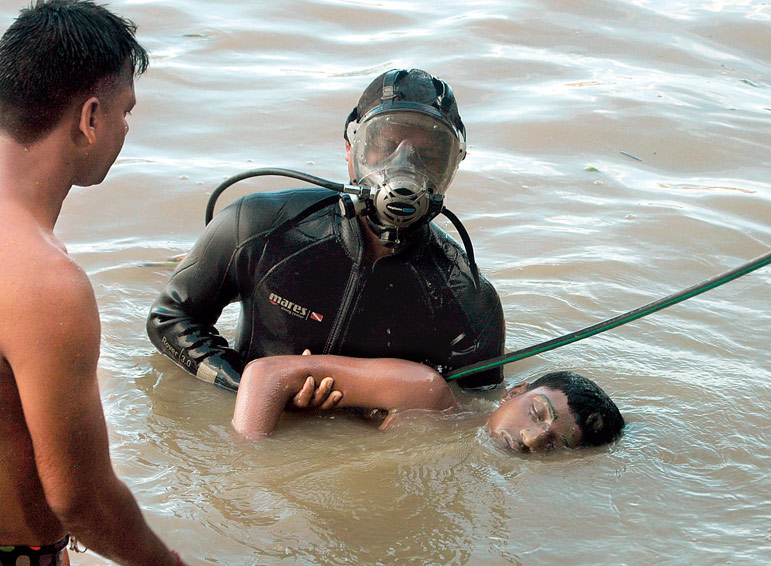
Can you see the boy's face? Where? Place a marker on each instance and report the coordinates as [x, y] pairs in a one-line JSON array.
[[534, 420]]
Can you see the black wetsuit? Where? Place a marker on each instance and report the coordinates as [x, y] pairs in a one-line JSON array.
[[303, 283]]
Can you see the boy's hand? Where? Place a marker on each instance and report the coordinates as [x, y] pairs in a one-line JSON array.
[[312, 397]]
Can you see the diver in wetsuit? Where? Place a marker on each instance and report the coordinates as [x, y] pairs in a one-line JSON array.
[[363, 276]]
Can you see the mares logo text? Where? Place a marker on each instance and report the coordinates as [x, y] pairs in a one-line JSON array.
[[294, 309]]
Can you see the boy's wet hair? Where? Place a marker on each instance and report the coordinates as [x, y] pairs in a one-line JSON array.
[[597, 416], [56, 51]]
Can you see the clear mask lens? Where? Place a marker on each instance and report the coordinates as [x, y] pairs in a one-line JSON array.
[[409, 142]]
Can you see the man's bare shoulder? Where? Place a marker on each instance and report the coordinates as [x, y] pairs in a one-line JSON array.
[[31, 260], [41, 288]]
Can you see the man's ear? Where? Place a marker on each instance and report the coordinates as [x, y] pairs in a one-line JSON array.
[[349, 159], [518, 389], [90, 114]]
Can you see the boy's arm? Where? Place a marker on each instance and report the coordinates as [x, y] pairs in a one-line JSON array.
[[53, 350], [383, 383]]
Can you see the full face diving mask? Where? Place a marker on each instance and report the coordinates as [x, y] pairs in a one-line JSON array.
[[404, 156]]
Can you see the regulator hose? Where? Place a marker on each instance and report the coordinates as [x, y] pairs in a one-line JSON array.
[[332, 186], [267, 171], [640, 312]]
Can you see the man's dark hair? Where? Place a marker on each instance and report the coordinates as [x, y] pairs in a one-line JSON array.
[[414, 85], [596, 414], [54, 52]]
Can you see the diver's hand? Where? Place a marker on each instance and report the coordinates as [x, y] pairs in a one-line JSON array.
[[320, 397]]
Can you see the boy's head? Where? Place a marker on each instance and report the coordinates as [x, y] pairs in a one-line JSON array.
[[54, 56], [560, 409]]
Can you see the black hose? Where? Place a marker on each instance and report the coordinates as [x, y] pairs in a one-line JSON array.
[[338, 187], [267, 171], [466, 243], [612, 322]]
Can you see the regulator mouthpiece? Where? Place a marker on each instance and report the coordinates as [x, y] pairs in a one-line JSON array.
[[401, 202]]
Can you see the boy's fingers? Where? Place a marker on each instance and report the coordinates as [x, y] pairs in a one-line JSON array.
[[322, 392], [303, 397], [332, 400]]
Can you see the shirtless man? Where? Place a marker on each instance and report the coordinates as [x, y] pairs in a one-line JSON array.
[[67, 70]]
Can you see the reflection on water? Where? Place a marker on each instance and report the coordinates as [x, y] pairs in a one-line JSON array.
[[617, 153]]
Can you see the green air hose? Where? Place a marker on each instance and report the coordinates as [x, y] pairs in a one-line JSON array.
[[612, 322]]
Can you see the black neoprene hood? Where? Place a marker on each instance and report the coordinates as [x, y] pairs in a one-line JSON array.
[[413, 86]]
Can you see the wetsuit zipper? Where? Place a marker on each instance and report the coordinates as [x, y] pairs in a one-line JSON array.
[[344, 315], [351, 288]]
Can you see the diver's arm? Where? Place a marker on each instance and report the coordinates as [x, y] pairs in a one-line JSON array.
[[383, 383], [181, 321]]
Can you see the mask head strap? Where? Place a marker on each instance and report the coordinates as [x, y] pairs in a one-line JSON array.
[[389, 86], [444, 101], [352, 117]]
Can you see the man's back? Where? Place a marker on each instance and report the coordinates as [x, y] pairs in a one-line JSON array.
[[26, 516], [38, 282]]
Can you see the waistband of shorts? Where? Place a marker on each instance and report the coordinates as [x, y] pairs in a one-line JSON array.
[[35, 550]]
